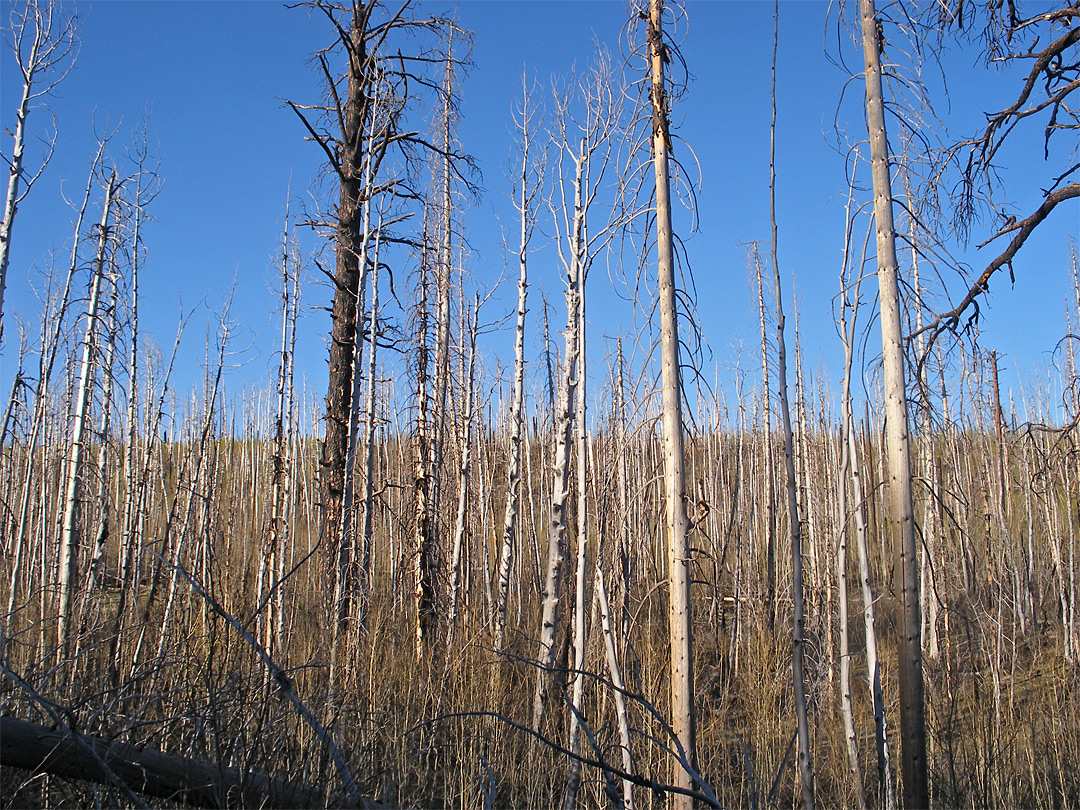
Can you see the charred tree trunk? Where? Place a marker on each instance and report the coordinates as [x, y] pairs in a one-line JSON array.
[[349, 226]]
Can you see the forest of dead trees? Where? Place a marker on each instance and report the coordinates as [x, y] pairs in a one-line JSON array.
[[442, 583]]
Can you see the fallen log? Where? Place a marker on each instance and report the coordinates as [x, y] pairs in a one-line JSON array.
[[167, 776]]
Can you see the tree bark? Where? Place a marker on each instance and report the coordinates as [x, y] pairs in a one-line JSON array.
[[677, 525], [423, 536], [202, 784], [902, 517], [564, 417], [770, 491]]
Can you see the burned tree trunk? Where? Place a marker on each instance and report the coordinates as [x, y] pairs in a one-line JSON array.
[[354, 108]]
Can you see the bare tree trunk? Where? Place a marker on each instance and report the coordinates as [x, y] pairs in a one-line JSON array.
[[443, 289], [423, 540], [847, 452], [625, 551], [49, 350], [677, 525], [69, 537], [850, 439], [902, 517], [927, 467], [564, 418], [619, 695], [62, 752], [134, 484], [104, 524], [463, 477], [278, 536], [806, 768], [577, 680], [351, 164], [770, 493], [1020, 599], [366, 540], [798, 640], [527, 214]]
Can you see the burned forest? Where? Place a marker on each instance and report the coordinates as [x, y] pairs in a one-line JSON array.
[[555, 452]]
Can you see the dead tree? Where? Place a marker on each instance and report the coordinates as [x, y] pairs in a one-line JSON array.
[[70, 534], [444, 271], [466, 443], [1047, 46], [66, 754], [272, 570], [770, 484], [372, 96], [849, 308], [367, 531], [588, 158], [564, 420], [795, 523], [43, 37], [677, 524], [147, 185], [530, 182], [902, 514]]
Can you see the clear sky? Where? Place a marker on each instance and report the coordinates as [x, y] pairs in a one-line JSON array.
[[211, 79]]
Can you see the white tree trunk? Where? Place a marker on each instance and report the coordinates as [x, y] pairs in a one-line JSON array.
[[463, 479], [69, 537], [366, 542], [580, 623], [14, 178], [564, 418], [621, 714], [847, 452], [517, 404]]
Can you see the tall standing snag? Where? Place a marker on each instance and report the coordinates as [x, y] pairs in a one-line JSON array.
[[795, 519], [69, 538], [902, 515], [347, 157], [531, 180], [676, 523], [370, 99]]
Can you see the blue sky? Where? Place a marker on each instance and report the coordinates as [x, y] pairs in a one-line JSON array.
[[211, 77]]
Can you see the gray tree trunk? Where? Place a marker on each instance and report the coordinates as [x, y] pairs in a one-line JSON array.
[[798, 641], [902, 517]]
